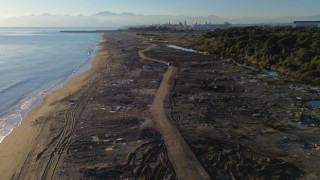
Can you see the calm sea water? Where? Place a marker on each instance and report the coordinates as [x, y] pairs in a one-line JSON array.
[[33, 63]]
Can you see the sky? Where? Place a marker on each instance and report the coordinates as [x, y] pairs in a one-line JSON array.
[[222, 8]]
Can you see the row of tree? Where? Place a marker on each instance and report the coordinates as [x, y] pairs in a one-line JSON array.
[[288, 50]]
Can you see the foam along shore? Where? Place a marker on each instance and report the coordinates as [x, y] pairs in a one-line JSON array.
[[15, 147]]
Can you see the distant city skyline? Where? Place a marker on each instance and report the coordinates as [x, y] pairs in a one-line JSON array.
[[222, 8]]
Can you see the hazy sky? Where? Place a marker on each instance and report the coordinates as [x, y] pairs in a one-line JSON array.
[[223, 8]]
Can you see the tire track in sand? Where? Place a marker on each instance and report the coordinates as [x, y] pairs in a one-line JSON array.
[[63, 140], [72, 115], [184, 162]]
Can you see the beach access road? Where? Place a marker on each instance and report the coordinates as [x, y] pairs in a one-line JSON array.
[[182, 158]]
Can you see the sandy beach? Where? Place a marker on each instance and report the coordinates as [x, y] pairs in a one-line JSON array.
[[15, 148], [148, 111]]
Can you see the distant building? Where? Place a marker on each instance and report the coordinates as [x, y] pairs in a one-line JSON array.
[[306, 24], [180, 26], [206, 27]]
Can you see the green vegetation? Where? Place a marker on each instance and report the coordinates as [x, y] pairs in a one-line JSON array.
[[285, 49]]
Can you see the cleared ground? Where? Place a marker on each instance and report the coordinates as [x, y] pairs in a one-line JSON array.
[[223, 119], [240, 122]]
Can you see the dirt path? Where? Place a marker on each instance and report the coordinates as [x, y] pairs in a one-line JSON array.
[[143, 56], [182, 158]]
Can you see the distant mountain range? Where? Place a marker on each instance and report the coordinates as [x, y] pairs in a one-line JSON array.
[[110, 19]]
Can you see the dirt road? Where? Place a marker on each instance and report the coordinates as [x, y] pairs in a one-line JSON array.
[[182, 158]]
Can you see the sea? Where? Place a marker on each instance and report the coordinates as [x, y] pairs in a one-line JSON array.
[[36, 61]]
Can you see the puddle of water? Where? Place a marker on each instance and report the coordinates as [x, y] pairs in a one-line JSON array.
[[244, 66], [314, 104], [181, 48], [185, 49], [272, 74]]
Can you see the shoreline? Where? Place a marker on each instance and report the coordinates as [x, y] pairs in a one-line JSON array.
[[15, 147], [15, 113], [103, 124], [141, 112], [33, 100]]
